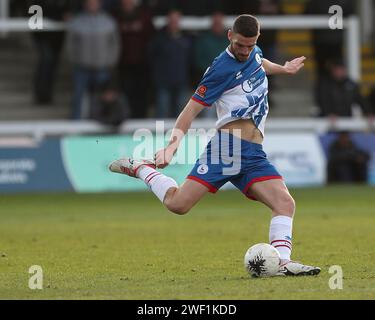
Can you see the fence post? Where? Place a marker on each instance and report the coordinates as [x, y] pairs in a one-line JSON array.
[[4, 14], [353, 48]]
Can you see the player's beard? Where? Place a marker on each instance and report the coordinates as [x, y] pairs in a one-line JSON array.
[[240, 58]]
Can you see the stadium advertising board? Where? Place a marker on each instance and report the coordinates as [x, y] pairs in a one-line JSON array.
[[36, 167], [298, 157], [88, 170], [81, 163]]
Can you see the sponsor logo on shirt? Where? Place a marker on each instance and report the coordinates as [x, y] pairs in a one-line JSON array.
[[247, 86], [201, 91]]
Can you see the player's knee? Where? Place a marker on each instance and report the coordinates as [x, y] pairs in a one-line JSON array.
[[286, 204]]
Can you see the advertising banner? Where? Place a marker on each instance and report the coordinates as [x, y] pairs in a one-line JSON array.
[[33, 168], [81, 163], [86, 161], [299, 157]]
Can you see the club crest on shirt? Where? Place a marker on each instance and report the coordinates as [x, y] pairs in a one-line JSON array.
[[202, 169], [258, 58]]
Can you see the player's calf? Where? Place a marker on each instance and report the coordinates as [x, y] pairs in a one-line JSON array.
[[145, 170], [180, 209], [178, 200]]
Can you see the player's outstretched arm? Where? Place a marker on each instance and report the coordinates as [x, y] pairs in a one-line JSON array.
[[183, 123], [289, 68]]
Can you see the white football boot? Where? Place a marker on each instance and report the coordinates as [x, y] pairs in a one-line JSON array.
[[293, 268], [129, 166]]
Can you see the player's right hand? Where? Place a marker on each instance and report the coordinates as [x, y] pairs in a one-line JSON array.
[[164, 157]]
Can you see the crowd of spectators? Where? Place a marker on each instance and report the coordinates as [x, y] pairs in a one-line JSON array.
[[117, 52], [336, 95], [114, 44]]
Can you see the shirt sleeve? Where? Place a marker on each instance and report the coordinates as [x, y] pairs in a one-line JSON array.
[[211, 88]]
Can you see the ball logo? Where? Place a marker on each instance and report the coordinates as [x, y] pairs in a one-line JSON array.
[[202, 169], [258, 58]]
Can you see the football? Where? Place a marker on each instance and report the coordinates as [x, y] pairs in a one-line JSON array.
[[262, 260]]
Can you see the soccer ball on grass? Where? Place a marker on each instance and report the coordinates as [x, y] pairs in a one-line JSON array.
[[262, 260]]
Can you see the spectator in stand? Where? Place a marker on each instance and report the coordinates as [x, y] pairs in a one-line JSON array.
[[207, 47], [170, 53], [337, 94], [328, 44], [136, 30], [49, 46], [109, 106], [346, 162], [210, 44], [93, 44]]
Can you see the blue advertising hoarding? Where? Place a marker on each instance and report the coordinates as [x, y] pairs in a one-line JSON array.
[[81, 163], [34, 168]]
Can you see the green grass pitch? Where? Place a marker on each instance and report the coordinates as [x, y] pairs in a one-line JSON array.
[[127, 246]]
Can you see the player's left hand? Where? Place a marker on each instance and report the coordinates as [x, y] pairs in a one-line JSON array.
[[292, 67], [164, 157]]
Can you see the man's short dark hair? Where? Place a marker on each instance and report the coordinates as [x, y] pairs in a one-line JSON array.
[[246, 25]]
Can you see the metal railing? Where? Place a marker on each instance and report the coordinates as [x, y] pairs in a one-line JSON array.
[[351, 26], [40, 129]]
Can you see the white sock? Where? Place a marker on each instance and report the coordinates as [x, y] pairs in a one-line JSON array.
[[156, 181], [281, 236]]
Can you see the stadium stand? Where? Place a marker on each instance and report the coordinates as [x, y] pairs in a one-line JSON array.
[[292, 96], [17, 61]]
